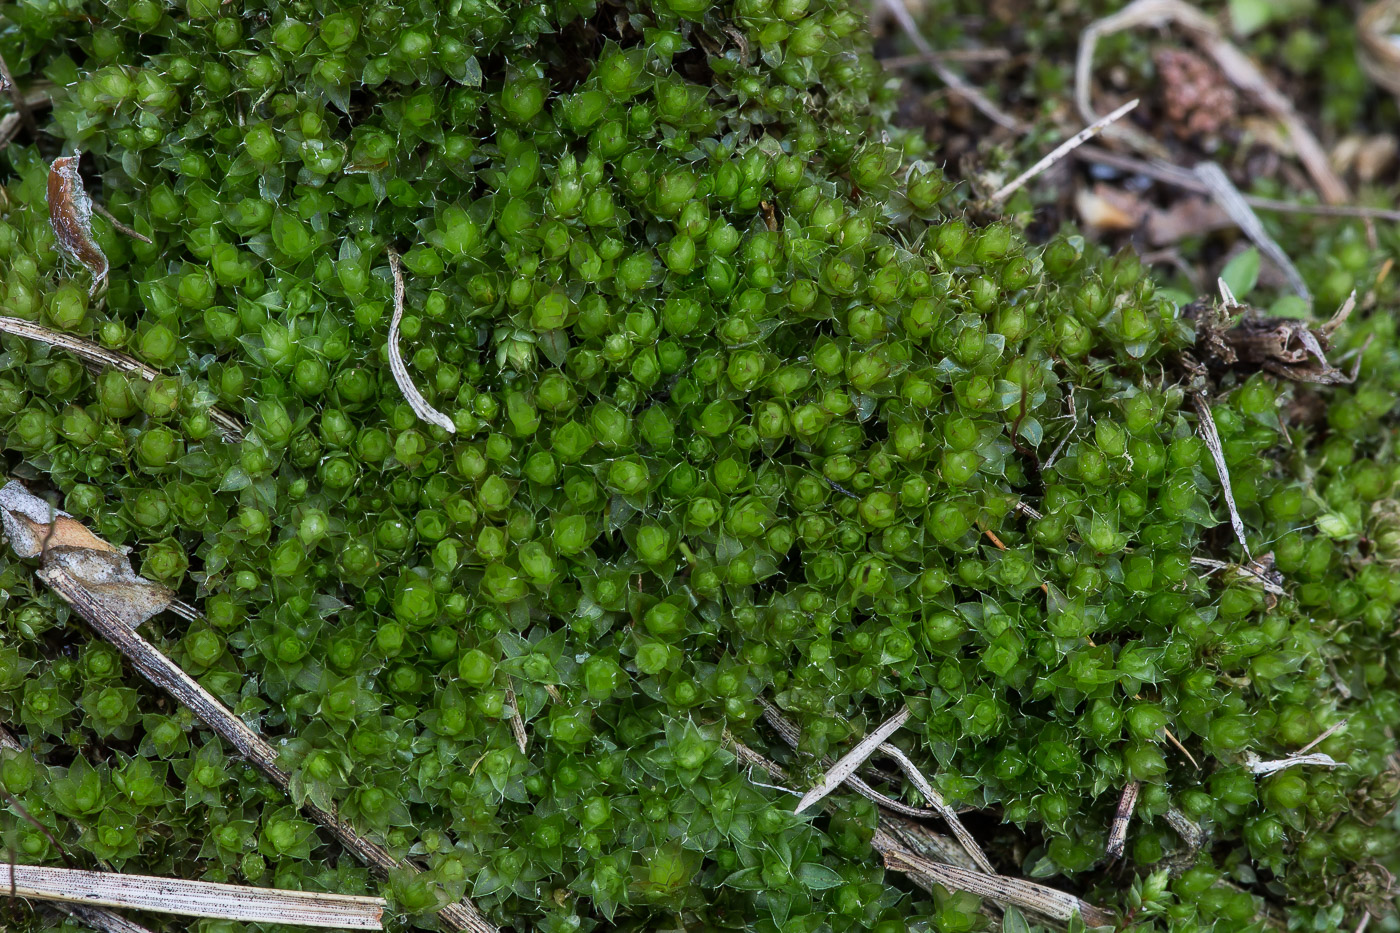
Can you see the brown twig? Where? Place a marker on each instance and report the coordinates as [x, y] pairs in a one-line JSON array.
[[1118, 832]]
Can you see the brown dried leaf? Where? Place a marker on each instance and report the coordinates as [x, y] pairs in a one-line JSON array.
[[1109, 208], [36, 529], [70, 212]]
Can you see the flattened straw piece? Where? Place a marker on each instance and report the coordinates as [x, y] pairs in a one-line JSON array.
[[1118, 832], [1004, 890], [415, 399], [1217, 453], [1225, 194], [935, 799], [951, 78], [161, 671], [1327, 734], [193, 898], [517, 722], [1060, 151], [847, 764], [99, 356]]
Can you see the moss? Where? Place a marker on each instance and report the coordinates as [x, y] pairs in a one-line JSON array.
[[743, 407]]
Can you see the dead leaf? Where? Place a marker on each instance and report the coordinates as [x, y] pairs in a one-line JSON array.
[[1109, 208], [70, 212]]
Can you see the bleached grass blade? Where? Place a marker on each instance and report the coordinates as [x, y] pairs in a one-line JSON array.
[[1060, 151], [788, 733], [1232, 202], [192, 898], [1211, 436], [935, 799], [415, 399], [847, 764]]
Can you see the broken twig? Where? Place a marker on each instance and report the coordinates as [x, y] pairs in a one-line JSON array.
[[1211, 436], [935, 800], [193, 898], [1118, 832], [1024, 894], [789, 734], [1060, 151]]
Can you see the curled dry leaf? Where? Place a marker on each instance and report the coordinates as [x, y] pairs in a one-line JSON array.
[[1256, 765], [70, 212], [416, 401]]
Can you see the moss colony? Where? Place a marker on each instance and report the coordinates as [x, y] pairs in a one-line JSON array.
[[744, 409]]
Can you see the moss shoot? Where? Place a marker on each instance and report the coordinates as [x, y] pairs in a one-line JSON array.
[[746, 406]]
